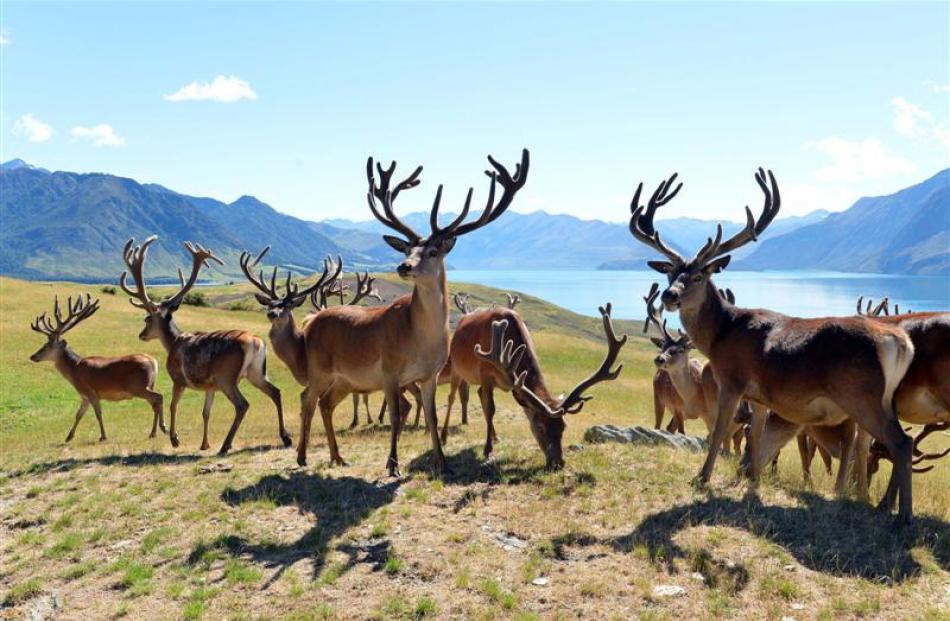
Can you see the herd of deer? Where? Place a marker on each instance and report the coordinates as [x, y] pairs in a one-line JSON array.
[[841, 385]]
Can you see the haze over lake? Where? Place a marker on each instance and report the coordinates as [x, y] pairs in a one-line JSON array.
[[803, 294]]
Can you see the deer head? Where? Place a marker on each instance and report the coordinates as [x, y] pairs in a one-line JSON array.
[[673, 351], [424, 255], [280, 307], [159, 314], [547, 415], [77, 311], [688, 277], [878, 451]]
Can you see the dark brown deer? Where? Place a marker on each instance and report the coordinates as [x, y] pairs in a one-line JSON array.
[[205, 361], [812, 371], [96, 378], [388, 347], [493, 349]]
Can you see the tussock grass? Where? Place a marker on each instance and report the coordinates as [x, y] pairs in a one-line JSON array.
[[134, 527]]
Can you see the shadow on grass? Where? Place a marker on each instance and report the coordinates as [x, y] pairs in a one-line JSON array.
[[467, 467], [835, 537], [337, 503], [149, 458]]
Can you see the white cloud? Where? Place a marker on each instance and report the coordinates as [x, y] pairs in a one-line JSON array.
[[4, 39], [222, 89], [799, 199], [102, 135], [853, 161], [912, 121], [34, 129], [936, 87]]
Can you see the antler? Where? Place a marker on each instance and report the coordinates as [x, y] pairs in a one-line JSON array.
[[200, 256], [77, 311], [461, 303], [875, 311], [364, 289], [134, 258], [386, 196], [319, 295], [641, 220], [921, 456], [505, 357], [574, 402], [510, 185], [728, 295], [753, 228], [655, 315], [292, 293], [513, 300]]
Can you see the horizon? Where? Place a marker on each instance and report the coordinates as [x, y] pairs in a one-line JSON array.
[[286, 105]]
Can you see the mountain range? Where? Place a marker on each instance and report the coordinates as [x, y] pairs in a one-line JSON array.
[[71, 226]]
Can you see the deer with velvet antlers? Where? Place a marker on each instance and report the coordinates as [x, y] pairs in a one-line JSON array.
[[387, 347], [205, 361], [96, 378], [810, 371]]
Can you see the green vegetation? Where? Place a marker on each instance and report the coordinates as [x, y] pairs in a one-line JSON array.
[[150, 528]]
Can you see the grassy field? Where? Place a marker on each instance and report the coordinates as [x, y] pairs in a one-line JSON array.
[[132, 528]]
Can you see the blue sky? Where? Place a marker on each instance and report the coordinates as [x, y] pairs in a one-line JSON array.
[[841, 100]]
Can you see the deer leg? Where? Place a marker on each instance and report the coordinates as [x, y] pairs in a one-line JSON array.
[[885, 427], [420, 401], [753, 447], [308, 406], [860, 469], [448, 410], [258, 378], [177, 391], [382, 409], [805, 453], [240, 409], [97, 408], [328, 402], [658, 410], [356, 411], [392, 404], [487, 397], [726, 405], [369, 419], [429, 387], [205, 417], [463, 400], [845, 461], [79, 414], [155, 400]]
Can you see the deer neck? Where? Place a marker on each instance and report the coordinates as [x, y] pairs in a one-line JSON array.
[[705, 321], [67, 361], [429, 308], [289, 345], [685, 381], [169, 333]]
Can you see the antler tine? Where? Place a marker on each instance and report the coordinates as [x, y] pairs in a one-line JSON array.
[[364, 288], [655, 315], [513, 300], [200, 257], [76, 312], [510, 184], [258, 281], [926, 431], [461, 303], [727, 295], [386, 196], [321, 290], [881, 308], [772, 202], [134, 257], [860, 301], [506, 358], [641, 219], [40, 325], [574, 402]]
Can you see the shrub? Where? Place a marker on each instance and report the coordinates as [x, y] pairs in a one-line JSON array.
[[108, 290]]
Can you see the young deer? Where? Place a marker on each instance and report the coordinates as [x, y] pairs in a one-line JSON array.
[[811, 371], [206, 361], [488, 350], [96, 378], [665, 398], [388, 347]]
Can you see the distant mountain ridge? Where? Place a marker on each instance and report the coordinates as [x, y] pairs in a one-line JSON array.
[[71, 226]]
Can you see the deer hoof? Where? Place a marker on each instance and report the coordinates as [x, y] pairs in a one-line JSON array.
[[174, 440], [287, 440], [301, 461], [69, 438], [338, 461], [699, 482], [102, 438], [223, 452]]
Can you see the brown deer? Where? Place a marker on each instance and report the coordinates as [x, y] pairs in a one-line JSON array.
[[878, 452], [96, 378], [693, 381], [388, 347], [488, 350], [206, 361], [666, 398], [812, 371]]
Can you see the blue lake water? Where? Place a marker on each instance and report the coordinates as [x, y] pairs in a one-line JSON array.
[[802, 294]]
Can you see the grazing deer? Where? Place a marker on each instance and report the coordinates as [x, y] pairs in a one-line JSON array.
[[206, 361], [96, 378], [488, 350], [812, 371], [391, 346], [878, 452], [694, 381]]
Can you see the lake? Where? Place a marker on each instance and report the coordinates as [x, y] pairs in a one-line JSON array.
[[803, 294]]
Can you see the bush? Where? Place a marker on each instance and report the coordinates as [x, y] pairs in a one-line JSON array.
[[242, 305], [193, 298], [108, 290]]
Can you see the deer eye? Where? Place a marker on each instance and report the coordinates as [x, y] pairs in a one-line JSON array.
[[433, 252], [697, 278]]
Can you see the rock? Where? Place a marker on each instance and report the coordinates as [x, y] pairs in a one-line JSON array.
[[43, 607], [668, 590], [644, 436], [540, 581], [789, 567], [509, 542], [797, 606], [576, 447], [219, 466], [698, 577]]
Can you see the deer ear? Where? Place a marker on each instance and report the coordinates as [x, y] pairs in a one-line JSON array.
[[716, 266], [263, 300], [400, 245], [170, 308], [658, 342], [664, 267]]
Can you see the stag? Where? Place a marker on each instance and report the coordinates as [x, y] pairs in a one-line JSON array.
[[391, 346], [493, 349], [206, 361], [813, 371], [693, 381], [96, 378]]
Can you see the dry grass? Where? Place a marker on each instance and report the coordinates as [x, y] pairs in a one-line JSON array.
[[134, 528]]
